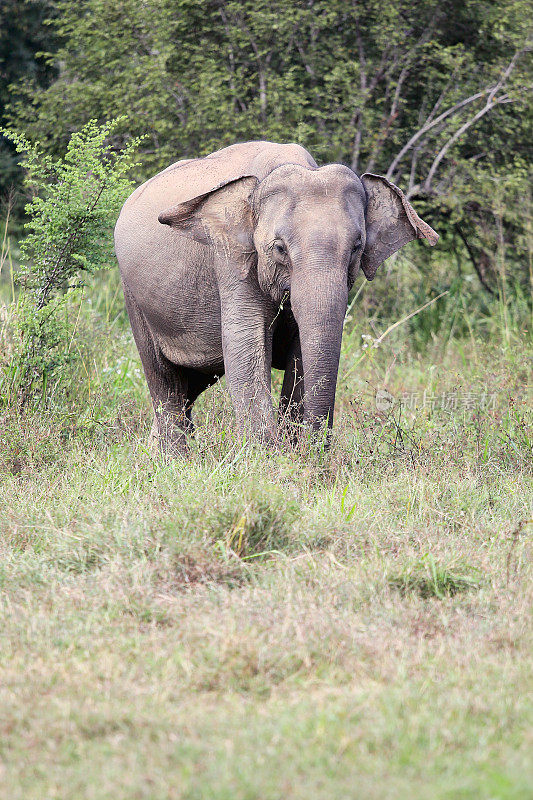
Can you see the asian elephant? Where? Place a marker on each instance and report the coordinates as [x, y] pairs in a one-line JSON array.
[[242, 261]]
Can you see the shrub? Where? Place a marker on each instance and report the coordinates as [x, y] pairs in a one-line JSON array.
[[74, 203]]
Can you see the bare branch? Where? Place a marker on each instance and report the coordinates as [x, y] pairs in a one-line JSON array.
[[362, 60], [430, 124], [261, 74], [308, 68], [405, 61], [403, 75], [473, 259], [412, 172], [387, 123], [366, 92], [236, 100], [356, 149], [509, 69], [427, 126], [416, 149], [458, 133]]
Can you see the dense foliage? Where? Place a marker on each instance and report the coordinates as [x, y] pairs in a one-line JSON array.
[[23, 36], [431, 93], [75, 200]]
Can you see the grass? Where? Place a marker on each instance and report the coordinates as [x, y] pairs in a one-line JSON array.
[[262, 625]]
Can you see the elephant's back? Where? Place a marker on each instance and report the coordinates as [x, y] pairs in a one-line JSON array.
[[191, 178]]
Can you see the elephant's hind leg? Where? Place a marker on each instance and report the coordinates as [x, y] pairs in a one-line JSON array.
[[197, 383], [167, 383], [168, 389]]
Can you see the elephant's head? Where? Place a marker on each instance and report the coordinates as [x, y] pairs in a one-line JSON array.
[[306, 232]]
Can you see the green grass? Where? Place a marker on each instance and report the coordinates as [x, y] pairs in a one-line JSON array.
[[268, 625]]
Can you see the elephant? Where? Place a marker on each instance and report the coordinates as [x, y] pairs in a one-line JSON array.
[[241, 261]]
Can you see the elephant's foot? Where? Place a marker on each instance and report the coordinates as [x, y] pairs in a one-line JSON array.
[[170, 438], [255, 426], [290, 420]]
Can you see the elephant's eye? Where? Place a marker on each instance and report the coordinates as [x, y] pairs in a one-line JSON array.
[[357, 243], [279, 249]]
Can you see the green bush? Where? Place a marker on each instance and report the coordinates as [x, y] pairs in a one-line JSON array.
[[74, 203]]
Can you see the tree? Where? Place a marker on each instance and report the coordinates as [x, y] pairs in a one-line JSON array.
[[22, 36], [431, 93], [75, 200]]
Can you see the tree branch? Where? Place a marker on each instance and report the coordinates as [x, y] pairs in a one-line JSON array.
[[491, 101], [458, 133], [429, 125], [405, 61], [236, 100], [473, 259]]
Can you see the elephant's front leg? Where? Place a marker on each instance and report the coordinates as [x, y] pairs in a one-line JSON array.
[[246, 317]]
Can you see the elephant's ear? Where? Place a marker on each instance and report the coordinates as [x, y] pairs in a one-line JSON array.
[[222, 218], [391, 222]]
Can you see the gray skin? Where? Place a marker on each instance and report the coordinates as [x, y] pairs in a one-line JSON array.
[[209, 248]]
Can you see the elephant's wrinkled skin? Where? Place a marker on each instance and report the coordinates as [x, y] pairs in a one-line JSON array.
[[209, 248]]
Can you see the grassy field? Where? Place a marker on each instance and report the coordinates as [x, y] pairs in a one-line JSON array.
[[267, 625]]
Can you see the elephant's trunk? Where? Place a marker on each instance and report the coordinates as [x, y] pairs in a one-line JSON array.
[[319, 298]]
